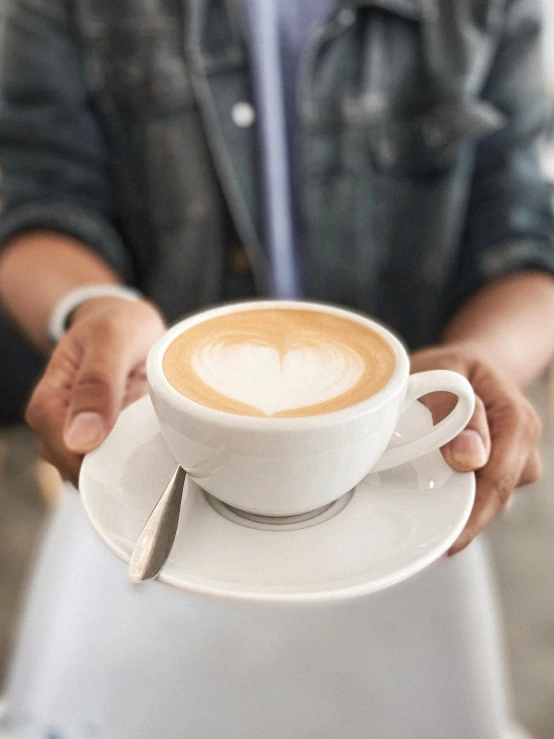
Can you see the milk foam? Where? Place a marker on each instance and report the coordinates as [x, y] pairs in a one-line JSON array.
[[278, 362], [257, 375]]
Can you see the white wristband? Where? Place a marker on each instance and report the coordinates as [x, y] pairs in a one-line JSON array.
[[57, 325]]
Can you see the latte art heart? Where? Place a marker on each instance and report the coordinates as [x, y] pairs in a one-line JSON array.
[[257, 375], [278, 362]]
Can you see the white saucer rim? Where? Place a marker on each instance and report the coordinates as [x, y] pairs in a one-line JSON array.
[[321, 596], [316, 597]]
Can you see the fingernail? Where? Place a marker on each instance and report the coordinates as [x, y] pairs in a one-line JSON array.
[[85, 432], [468, 449]]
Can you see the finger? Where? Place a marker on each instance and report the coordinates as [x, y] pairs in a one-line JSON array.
[[532, 470], [531, 473], [67, 463], [135, 392], [470, 450], [514, 434], [137, 386], [52, 447], [98, 390], [47, 409], [491, 496], [48, 402]]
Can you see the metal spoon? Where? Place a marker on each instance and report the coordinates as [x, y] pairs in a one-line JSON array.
[[156, 539]]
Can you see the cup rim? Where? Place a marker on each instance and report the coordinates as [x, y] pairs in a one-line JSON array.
[[161, 387]]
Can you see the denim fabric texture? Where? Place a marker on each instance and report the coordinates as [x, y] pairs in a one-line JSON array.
[[419, 170]]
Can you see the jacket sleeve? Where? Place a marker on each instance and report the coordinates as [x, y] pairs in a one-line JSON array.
[[510, 225], [53, 158]]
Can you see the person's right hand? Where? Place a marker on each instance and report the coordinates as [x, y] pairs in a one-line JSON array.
[[96, 370]]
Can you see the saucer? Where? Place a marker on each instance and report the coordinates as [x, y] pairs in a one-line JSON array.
[[391, 526]]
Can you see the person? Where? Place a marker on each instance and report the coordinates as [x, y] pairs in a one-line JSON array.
[[379, 155]]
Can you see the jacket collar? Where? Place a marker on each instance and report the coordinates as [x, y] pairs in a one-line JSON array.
[[408, 8]]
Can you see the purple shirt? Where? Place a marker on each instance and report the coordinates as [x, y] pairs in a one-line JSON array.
[[278, 33]]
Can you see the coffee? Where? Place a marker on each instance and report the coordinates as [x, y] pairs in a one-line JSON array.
[[279, 362]]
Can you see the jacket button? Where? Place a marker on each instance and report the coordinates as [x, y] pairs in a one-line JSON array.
[[346, 17], [243, 115]]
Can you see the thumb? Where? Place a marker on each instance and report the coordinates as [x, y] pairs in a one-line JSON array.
[[97, 394], [469, 450]]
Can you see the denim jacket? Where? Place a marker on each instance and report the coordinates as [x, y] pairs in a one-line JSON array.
[[122, 124]]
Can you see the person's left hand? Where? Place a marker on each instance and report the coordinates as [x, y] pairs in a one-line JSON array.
[[500, 441]]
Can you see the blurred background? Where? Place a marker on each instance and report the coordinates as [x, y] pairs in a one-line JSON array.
[[521, 540]]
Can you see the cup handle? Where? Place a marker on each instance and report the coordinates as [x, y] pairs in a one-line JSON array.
[[421, 384]]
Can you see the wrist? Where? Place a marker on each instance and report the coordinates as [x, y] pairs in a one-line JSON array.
[[141, 311], [93, 306], [74, 304]]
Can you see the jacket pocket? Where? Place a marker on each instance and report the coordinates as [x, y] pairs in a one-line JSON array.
[[136, 68], [428, 142]]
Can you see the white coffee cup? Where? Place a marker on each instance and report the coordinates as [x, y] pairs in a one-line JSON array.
[[287, 466]]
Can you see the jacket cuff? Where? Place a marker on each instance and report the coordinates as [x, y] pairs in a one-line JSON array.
[[507, 258], [87, 226], [500, 260]]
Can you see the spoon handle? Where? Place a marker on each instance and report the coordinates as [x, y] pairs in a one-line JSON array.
[[156, 539]]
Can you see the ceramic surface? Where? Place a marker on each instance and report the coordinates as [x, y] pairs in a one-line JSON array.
[[287, 466], [393, 525]]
